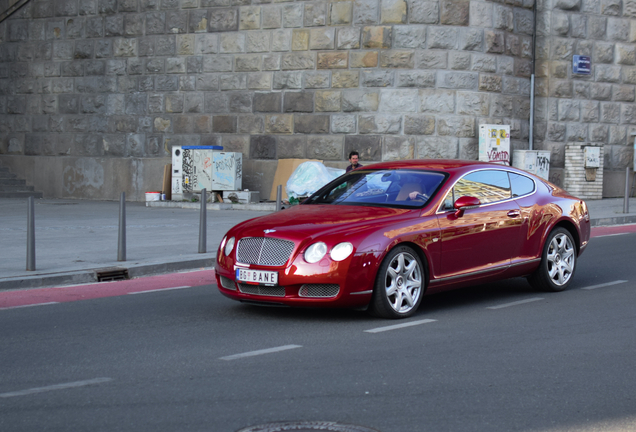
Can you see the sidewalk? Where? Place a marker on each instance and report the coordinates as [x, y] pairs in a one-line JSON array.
[[76, 241]]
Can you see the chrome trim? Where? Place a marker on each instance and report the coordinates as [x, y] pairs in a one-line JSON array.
[[362, 292], [500, 268], [525, 262], [490, 270], [440, 211]]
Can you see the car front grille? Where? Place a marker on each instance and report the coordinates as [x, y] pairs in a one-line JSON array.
[[264, 251], [227, 283], [272, 291], [319, 290]]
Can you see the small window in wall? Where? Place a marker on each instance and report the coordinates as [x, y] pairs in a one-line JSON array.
[[521, 185]]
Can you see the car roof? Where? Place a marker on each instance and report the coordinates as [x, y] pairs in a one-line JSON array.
[[448, 165]]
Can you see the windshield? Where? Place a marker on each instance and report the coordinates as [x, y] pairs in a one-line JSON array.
[[390, 188]]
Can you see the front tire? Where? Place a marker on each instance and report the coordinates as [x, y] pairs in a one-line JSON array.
[[399, 285], [558, 262]]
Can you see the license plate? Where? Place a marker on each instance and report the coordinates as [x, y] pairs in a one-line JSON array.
[[260, 277]]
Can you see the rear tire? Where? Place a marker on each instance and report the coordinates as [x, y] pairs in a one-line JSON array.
[[399, 285], [558, 262]]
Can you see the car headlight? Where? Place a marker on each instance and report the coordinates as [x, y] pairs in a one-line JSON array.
[[341, 251], [315, 252], [229, 246]]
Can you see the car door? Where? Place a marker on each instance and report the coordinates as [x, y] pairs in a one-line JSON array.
[[482, 239]]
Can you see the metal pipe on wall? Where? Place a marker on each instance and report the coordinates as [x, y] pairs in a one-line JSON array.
[[531, 131]]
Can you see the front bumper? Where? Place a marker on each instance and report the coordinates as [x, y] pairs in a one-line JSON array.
[[347, 284]]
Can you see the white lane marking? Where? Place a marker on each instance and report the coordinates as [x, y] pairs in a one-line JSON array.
[[611, 235], [501, 306], [604, 285], [399, 326], [160, 289], [29, 305], [55, 387], [261, 352]]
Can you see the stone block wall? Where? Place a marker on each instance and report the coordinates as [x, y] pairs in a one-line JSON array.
[[95, 80], [573, 108]]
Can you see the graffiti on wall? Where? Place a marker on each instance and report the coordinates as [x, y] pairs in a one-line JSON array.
[[228, 171], [494, 143]]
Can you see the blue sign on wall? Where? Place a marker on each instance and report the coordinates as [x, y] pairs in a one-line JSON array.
[[581, 64]]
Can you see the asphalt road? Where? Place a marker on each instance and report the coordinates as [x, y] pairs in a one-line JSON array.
[[497, 357]]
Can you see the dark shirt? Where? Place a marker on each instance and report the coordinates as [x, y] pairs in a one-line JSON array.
[[350, 167]]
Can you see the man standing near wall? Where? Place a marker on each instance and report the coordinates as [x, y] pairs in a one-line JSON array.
[[353, 159]]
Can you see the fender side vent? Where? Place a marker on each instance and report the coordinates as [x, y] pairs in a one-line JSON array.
[[112, 274]]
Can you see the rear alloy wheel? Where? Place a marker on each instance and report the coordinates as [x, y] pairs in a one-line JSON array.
[[399, 285], [557, 262]]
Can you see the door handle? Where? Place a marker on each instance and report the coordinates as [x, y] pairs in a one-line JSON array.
[[514, 213]]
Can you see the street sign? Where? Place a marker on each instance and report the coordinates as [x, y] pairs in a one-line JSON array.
[[581, 65]]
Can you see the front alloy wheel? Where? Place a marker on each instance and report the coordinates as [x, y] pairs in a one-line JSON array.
[[399, 284], [557, 264]]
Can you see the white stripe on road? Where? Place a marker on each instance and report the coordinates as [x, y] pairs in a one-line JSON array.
[[399, 326], [261, 352], [160, 289], [501, 306], [55, 387], [29, 305], [604, 285], [611, 235]]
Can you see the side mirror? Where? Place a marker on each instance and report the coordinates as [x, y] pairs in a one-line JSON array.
[[464, 203]]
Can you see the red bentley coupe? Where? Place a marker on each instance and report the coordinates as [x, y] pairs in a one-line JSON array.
[[383, 236]]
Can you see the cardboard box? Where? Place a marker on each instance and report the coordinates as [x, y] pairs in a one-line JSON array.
[[284, 170]]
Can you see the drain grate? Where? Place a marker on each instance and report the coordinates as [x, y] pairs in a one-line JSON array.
[[112, 274], [306, 426]]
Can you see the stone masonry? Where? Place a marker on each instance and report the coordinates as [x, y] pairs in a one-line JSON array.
[[599, 107], [93, 93]]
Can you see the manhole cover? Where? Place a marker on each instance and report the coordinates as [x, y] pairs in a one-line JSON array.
[[306, 427]]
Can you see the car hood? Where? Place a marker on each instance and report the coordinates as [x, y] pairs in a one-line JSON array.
[[308, 221]]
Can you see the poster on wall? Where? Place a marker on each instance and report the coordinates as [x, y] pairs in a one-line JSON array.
[[494, 143]]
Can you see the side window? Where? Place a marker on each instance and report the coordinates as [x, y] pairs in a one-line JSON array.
[[448, 201], [521, 185], [487, 186]]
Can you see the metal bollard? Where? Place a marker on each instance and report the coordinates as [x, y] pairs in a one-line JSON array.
[[203, 224], [279, 194], [30, 258], [121, 240], [626, 199]]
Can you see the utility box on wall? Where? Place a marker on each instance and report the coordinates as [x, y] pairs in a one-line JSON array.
[[584, 170], [205, 167], [227, 171], [494, 143], [197, 169], [534, 161], [177, 174]]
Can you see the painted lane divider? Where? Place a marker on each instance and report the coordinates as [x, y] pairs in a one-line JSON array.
[[55, 387], [260, 352], [399, 326], [28, 305], [604, 285], [520, 302], [159, 290]]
